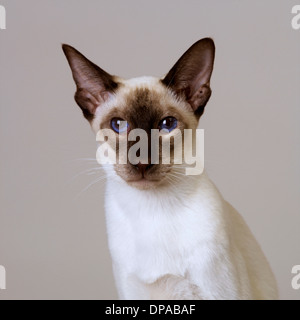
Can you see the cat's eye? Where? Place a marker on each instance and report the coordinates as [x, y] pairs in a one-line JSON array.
[[119, 125], [168, 124]]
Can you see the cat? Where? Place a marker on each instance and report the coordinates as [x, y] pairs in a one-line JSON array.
[[171, 235]]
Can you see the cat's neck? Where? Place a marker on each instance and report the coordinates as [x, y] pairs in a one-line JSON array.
[[189, 190]]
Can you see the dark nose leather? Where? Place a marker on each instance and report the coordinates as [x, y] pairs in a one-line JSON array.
[[143, 167]]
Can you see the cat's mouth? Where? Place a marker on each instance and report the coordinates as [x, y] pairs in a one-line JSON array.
[[144, 183], [143, 178]]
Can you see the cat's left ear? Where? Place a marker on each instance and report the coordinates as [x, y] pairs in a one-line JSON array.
[[94, 85], [190, 76]]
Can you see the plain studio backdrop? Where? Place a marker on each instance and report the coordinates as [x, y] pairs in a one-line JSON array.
[[52, 229]]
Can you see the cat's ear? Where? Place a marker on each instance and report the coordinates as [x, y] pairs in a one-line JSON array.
[[190, 76], [94, 85]]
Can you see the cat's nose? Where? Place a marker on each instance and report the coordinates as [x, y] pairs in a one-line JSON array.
[[143, 167]]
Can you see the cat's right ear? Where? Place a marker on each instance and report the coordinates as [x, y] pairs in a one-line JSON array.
[[190, 76], [94, 85]]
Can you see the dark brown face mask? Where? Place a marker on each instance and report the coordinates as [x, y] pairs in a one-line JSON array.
[[176, 101]]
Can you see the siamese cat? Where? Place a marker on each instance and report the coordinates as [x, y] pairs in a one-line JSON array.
[[171, 235]]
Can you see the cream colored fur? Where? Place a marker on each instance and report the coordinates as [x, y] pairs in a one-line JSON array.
[[180, 242]]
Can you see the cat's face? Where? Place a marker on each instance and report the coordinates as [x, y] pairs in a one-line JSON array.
[[171, 104], [147, 104]]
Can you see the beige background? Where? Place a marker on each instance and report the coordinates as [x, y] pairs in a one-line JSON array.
[[52, 236]]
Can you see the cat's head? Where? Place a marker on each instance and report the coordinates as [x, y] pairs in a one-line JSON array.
[[173, 103]]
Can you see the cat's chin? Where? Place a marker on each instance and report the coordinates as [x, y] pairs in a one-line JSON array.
[[144, 184]]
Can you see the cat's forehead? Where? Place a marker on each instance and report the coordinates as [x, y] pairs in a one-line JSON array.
[[141, 82], [142, 102], [144, 91]]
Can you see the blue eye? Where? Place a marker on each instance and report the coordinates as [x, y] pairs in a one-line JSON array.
[[169, 124], [119, 125]]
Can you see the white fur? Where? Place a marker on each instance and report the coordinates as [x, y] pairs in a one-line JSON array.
[[183, 244], [182, 241]]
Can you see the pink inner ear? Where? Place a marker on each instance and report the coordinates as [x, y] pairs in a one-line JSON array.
[[89, 97], [200, 97], [190, 76], [106, 95], [87, 101], [93, 83]]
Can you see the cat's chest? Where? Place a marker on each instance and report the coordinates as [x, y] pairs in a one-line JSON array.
[[152, 236]]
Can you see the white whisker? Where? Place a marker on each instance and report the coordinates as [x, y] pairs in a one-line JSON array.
[[92, 183]]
